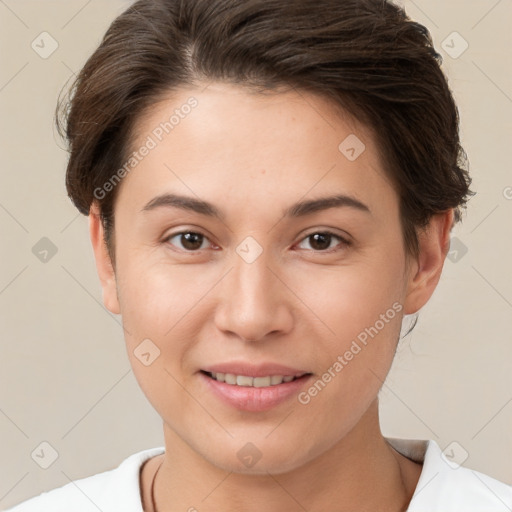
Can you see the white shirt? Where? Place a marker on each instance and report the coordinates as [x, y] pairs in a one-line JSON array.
[[442, 486]]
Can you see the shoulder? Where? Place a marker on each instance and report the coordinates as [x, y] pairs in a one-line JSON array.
[[109, 491], [445, 486]]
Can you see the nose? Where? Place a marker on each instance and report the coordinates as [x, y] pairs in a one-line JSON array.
[[254, 302]]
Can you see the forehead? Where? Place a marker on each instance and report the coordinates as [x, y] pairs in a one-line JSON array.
[[221, 138]]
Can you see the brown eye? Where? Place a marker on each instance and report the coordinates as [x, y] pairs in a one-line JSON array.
[[189, 240], [322, 241]]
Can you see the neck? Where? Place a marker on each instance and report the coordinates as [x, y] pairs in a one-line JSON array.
[[360, 472]]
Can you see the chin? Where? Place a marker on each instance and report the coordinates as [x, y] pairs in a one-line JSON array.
[[253, 459]]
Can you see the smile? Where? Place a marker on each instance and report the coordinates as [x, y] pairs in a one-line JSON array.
[[256, 382], [253, 394]]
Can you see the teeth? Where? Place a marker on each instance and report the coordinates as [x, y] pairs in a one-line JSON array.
[[242, 380], [256, 382], [276, 379], [229, 378]]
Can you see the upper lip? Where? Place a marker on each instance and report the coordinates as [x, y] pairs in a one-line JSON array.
[[254, 370]]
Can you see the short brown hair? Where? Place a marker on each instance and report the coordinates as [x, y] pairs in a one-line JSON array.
[[366, 56]]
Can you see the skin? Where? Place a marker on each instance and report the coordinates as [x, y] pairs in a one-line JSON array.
[[253, 156]]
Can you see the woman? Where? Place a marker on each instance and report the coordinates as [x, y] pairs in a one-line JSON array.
[[271, 188]]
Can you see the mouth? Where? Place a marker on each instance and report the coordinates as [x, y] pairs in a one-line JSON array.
[[252, 382], [253, 394]]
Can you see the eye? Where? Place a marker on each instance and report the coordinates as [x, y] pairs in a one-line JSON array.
[[321, 241], [190, 241]]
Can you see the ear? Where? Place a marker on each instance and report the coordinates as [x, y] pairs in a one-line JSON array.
[[103, 263], [434, 243]]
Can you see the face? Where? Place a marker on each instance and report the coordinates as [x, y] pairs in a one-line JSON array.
[[228, 260]]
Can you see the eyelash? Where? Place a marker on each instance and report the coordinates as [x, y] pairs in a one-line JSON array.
[[343, 241]]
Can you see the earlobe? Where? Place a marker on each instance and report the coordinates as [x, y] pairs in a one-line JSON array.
[[104, 266], [434, 243]]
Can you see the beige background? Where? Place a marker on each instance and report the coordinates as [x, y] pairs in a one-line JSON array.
[[65, 377]]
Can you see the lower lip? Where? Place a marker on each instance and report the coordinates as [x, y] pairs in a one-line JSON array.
[[247, 398]]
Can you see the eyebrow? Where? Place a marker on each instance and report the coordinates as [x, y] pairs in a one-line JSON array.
[[299, 209]]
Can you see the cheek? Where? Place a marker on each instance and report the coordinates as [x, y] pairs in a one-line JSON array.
[[156, 295], [169, 305], [157, 307], [348, 299], [359, 313]]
